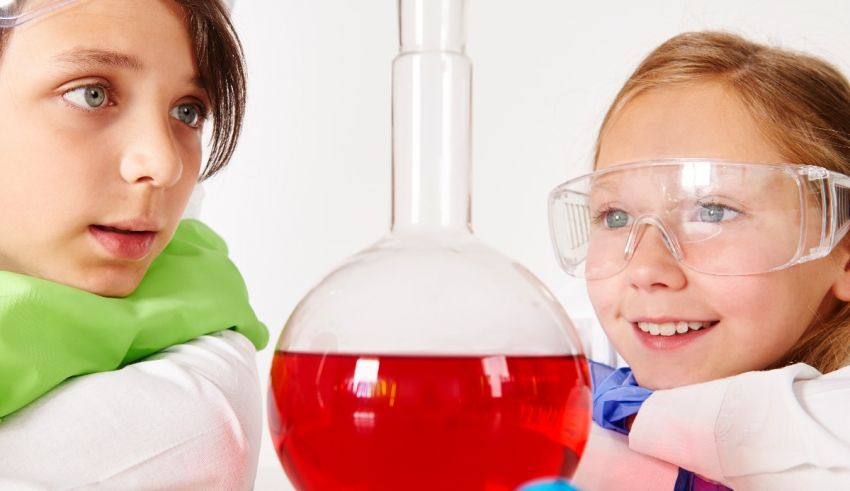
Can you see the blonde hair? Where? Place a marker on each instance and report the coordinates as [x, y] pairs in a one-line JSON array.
[[801, 103]]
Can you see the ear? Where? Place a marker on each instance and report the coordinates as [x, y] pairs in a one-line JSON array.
[[841, 287]]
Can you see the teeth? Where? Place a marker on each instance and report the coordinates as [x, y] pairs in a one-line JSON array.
[[671, 328]]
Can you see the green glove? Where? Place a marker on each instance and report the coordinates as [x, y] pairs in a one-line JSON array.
[[50, 332]]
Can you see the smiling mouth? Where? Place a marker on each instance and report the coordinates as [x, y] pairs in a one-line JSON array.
[[673, 328]]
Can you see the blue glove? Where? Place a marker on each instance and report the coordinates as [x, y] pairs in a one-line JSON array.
[[616, 396], [554, 484]]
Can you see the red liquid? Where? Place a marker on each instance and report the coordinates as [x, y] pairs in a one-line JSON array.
[[363, 422]]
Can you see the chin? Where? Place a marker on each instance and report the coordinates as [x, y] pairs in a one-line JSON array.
[[113, 283], [119, 291], [671, 377], [660, 378]]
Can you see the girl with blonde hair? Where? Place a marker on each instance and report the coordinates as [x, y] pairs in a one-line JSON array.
[[713, 237]]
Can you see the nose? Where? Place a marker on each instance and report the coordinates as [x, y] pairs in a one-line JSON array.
[[151, 155], [652, 264]]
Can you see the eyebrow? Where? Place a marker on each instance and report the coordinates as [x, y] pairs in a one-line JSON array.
[[96, 58], [90, 58]]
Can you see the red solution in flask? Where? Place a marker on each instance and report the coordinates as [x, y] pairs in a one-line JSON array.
[[376, 422]]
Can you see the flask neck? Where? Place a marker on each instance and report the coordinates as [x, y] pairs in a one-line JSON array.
[[431, 120]]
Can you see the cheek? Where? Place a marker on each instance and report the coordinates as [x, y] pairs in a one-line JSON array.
[[191, 157], [191, 151], [603, 295], [177, 197], [47, 182], [791, 295], [180, 195], [763, 316]]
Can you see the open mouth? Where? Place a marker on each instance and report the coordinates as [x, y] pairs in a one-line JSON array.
[[673, 328], [104, 228], [123, 243]]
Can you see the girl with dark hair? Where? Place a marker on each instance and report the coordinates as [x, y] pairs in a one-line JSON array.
[[126, 337]]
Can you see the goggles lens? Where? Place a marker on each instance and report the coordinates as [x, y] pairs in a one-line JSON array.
[[718, 218]]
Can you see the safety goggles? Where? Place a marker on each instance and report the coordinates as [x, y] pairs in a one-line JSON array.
[[715, 217], [16, 12]]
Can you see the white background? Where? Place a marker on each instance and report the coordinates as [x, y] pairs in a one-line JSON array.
[[310, 182]]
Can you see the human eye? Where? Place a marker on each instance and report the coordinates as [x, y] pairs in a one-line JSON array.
[[613, 218], [716, 213], [192, 114], [89, 97]]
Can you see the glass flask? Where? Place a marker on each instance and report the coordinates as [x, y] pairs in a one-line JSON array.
[[429, 360]]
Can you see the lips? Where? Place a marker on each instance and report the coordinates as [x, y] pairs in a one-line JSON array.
[[130, 241]]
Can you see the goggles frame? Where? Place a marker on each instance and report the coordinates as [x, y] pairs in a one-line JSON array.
[[833, 189]]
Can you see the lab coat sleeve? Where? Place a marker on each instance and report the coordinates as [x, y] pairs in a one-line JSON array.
[[186, 418], [608, 464], [786, 427]]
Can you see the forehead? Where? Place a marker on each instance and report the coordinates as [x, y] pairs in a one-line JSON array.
[[151, 30], [705, 119]]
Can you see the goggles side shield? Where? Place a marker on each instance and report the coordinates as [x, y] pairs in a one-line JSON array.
[[715, 217]]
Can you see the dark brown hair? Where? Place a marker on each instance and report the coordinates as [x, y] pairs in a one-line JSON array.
[[221, 68], [800, 102]]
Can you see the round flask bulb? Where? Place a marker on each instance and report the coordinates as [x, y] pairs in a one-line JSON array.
[[429, 360]]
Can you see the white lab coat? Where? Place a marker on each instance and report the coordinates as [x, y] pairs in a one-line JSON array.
[[608, 464], [187, 418], [770, 430]]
